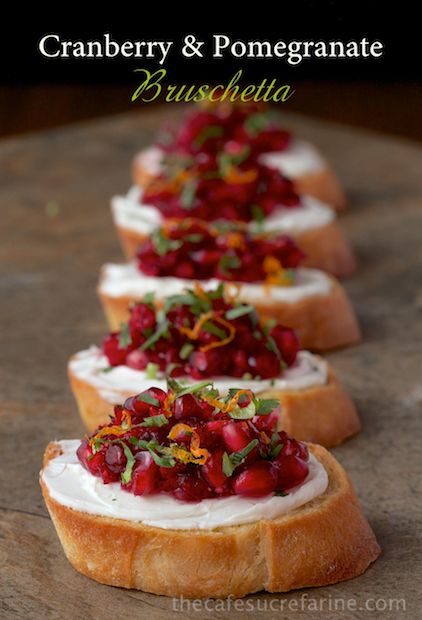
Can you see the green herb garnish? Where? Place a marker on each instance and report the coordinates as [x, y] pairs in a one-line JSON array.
[[160, 332], [233, 460], [186, 350], [155, 421], [130, 462], [151, 370], [235, 313], [125, 338], [147, 398], [210, 131], [228, 262]]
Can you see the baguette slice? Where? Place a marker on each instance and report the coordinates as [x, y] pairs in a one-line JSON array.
[[326, 248], [323, 322], [324, 541], [320, 414]]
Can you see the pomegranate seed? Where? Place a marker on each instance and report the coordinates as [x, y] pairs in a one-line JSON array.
[[235, 436], [185, 407], [287, 343], [291, 471], [116, 356], [115, 458], [256, 480], [138, 360], [212, 471], [145, 474]]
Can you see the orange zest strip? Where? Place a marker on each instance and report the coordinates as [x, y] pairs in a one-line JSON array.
[[235, 240], [276, 275], [193, 332], [224, 341], [229, 406], [115, 429], [195, 454], [235, 176]]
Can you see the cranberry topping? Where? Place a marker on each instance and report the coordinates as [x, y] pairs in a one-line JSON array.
[[199, 335], [194, 250], [193, 444], [207, 131], [231, 186]]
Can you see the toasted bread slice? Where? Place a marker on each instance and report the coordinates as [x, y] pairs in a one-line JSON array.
[[324, 541]]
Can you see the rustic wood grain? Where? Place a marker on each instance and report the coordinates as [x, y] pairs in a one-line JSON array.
[[49, 267]]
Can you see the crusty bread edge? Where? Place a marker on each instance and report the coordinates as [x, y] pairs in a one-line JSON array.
[[323, 414], [325, 541]]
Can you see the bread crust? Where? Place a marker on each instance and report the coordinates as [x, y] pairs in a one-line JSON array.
[[326, 248], [325, 541], [323, 322], [323, 414], [322, 184]]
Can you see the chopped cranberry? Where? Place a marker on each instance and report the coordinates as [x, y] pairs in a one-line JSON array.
[[145, 474], [292, 471], [207, 363], [287, 343], [265, 365], [256, 480], [115, 354], [142, 317]]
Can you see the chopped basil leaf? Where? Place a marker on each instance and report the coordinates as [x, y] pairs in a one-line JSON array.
[[264, 406], [147, 398], [151, 370], [209, 131], [275, 450], [227, 160], [163, 244], [214, 330], [258, 214], [155, 421], [149, 299], [187, 195], [194, 238], [130, 462], [228, 262], [124, 337], [186, 350], [281, 493], [160, 332], [107, 369], [233, 460], [235, 313], [255, 123]]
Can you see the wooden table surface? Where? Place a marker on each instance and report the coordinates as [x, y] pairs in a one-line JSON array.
[[57, 231]]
